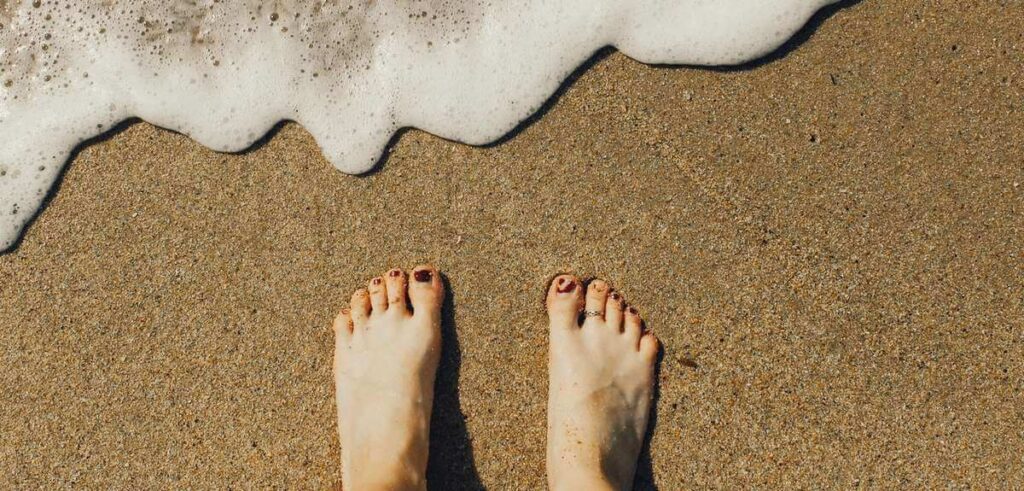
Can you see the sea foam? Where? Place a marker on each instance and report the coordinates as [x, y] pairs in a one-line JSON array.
[[352, 72]]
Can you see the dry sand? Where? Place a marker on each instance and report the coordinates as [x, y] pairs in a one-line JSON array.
[[828, 244]]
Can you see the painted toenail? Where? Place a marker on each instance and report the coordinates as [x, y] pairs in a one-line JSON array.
[[376, 281], [395, 273], [632, 310], [565, 285], [616, 296], [423, 276]]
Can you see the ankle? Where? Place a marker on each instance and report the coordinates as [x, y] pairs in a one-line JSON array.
[[398, 467], [599, 474], [580, 479], [392, 484], [401, 474]]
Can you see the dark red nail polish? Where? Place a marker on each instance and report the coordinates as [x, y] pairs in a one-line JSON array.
[[565, 286], [616, 296], [395, 273], [632, 310], [376, 281], [423, 276]]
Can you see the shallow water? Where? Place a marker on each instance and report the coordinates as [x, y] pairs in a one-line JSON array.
[[351, 72]]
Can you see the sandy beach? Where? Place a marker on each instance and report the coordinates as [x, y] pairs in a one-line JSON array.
[[827, 242]]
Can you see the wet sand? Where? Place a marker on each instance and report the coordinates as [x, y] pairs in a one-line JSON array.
[[828, 245]]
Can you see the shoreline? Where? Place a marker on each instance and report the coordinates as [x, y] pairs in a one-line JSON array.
[[827, 246]]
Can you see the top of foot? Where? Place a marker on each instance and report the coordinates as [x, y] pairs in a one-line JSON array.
[[387, 348], [602, 380]]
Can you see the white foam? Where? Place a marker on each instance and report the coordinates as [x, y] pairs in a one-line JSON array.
[[351, 72]]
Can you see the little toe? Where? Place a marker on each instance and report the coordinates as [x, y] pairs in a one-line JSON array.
[[613, 311], [378, 295], [343, 324], [426, 291], [397, 284], [634, 326], [360, 308], [649, 346], [597, 299], [565, 297]]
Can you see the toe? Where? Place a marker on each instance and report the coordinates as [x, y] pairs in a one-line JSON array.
[[597, 299], [378, 295], [343, 324], [613, 311], [397, 284], [565, 297], [633, 327], [649, 346], [360, 308], [426, 291]]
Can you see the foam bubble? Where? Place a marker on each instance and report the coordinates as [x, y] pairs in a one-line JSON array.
[[351, 72]]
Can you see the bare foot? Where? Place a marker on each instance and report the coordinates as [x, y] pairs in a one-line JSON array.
[[602, 378], [386, 351]]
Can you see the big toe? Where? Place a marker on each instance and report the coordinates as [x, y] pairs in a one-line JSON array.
[[426, 291], [565, 298]]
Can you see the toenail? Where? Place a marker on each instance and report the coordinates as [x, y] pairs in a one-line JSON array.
[[345, 311], [395, 273], [616, 296], [376, 281], [632, 310], [423, 276], [565, 285]]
